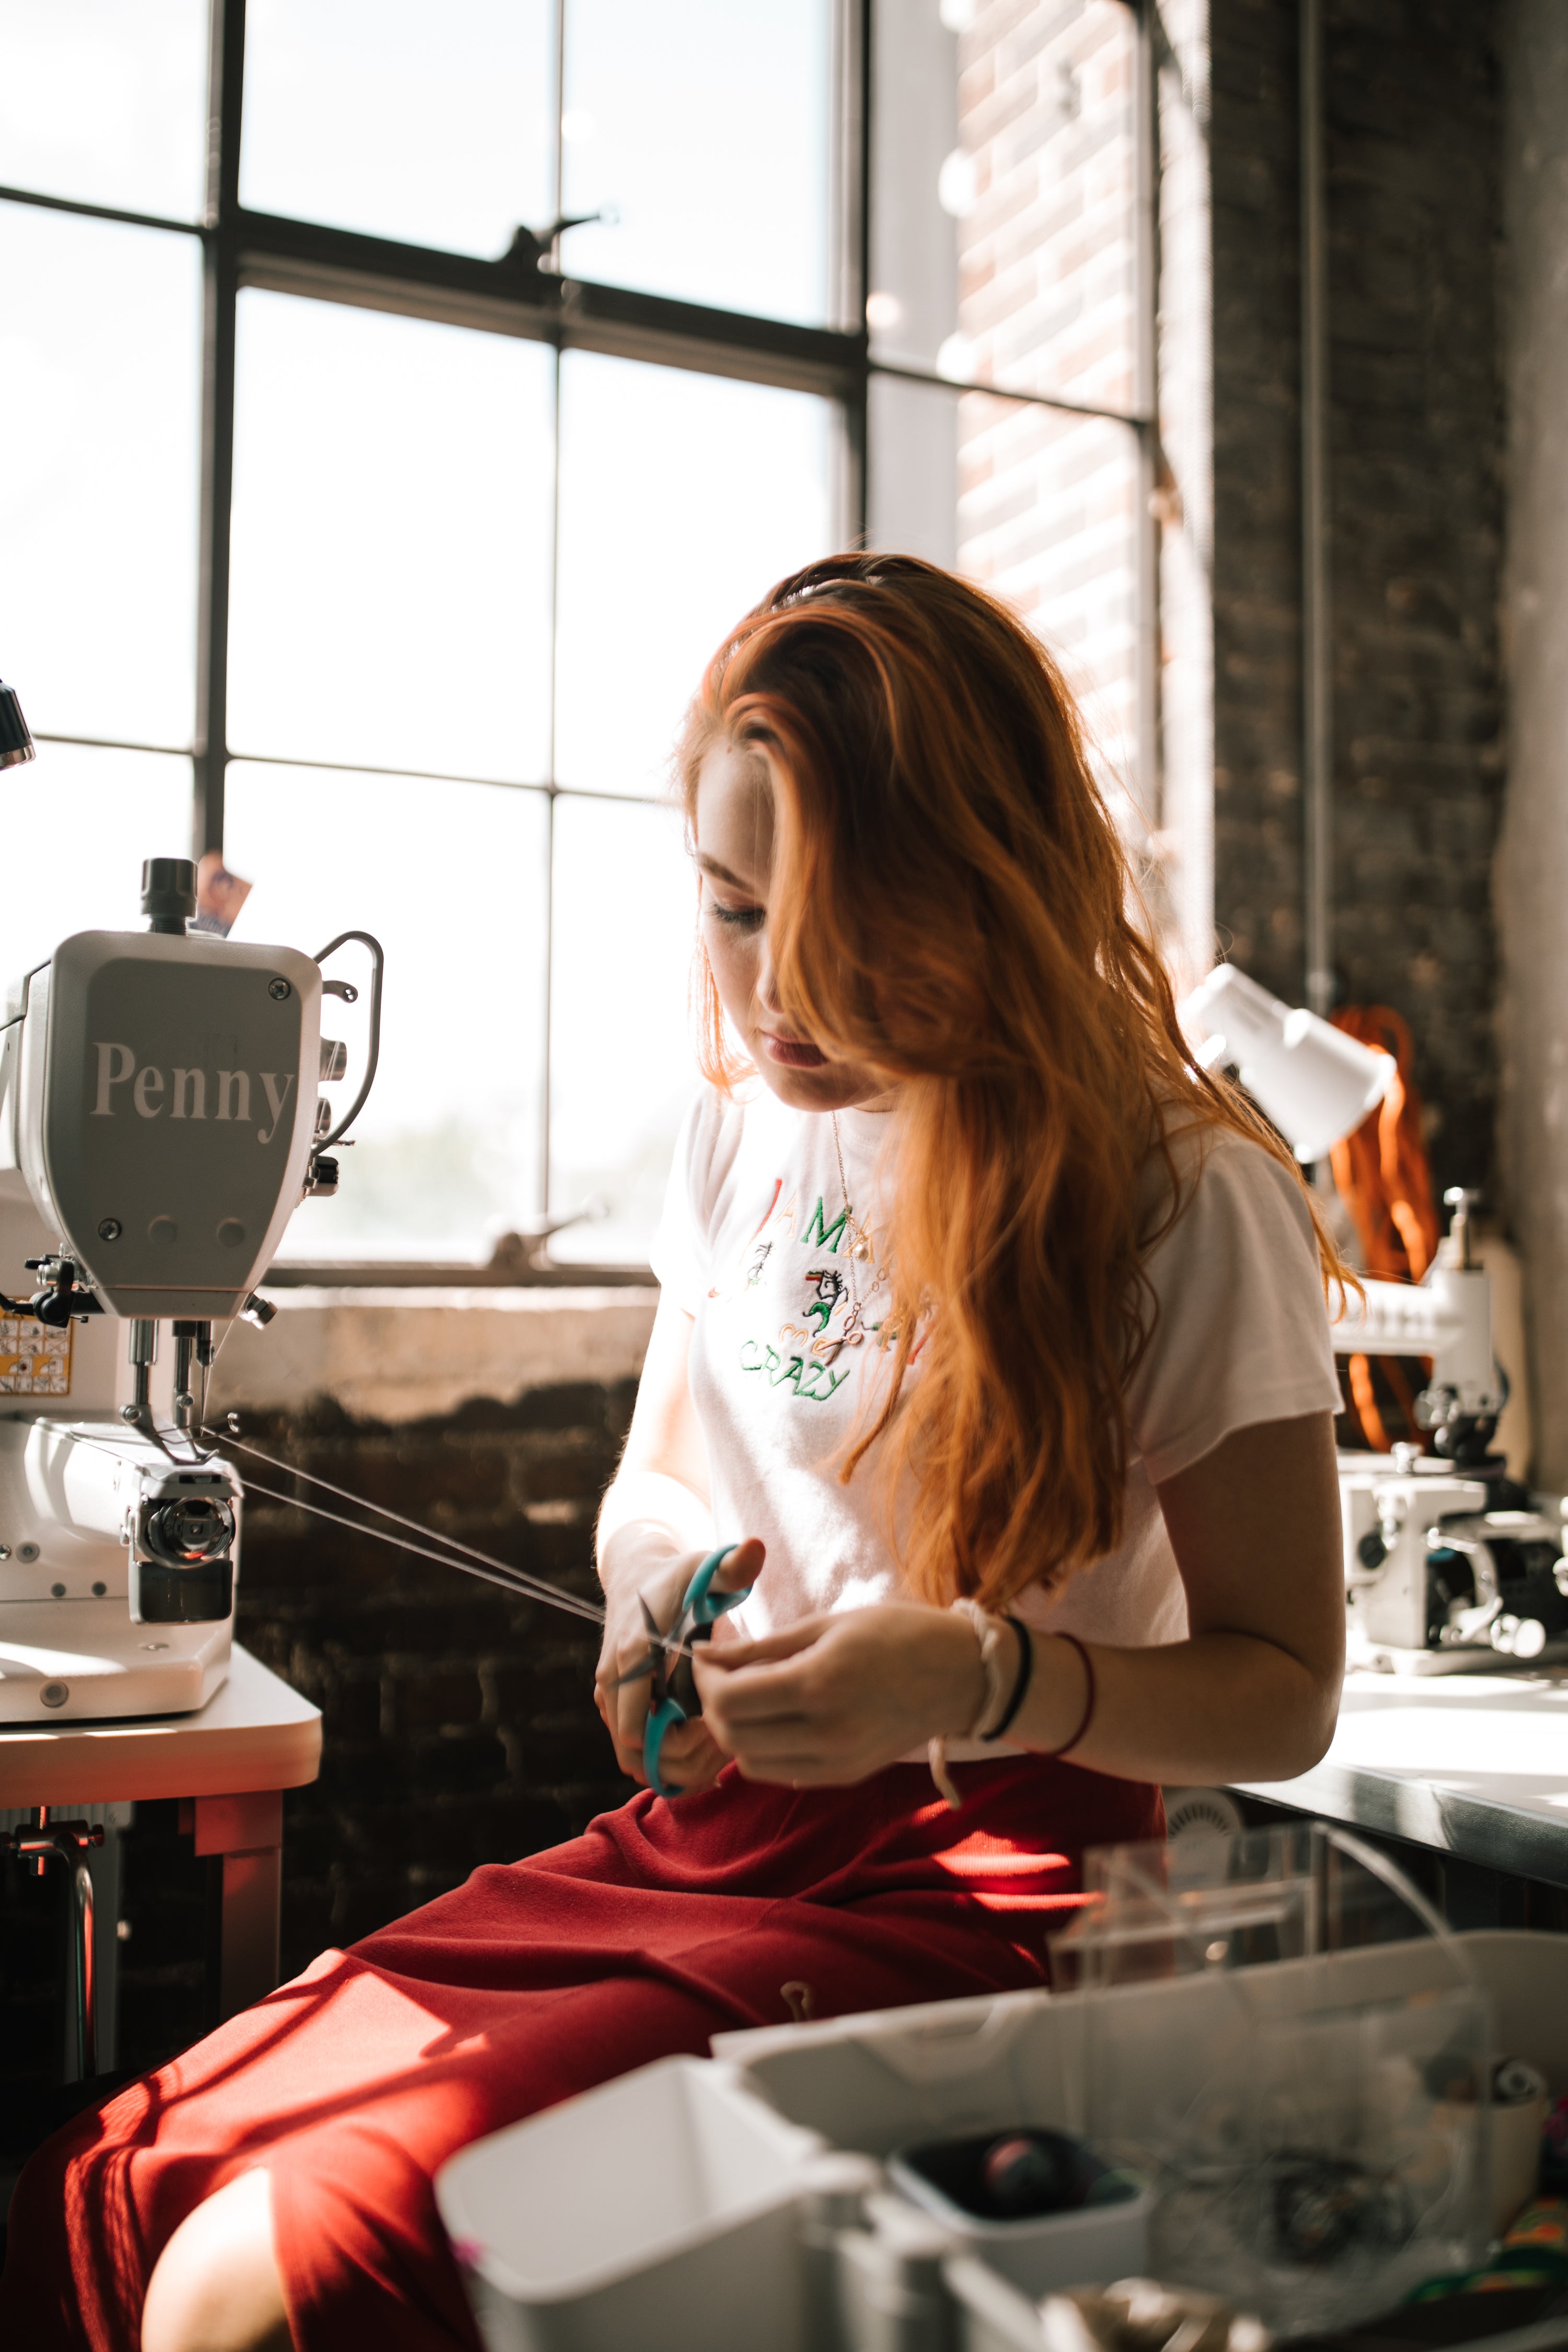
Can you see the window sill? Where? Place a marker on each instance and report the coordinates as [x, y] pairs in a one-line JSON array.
[[401, 1353], [517, 1261]]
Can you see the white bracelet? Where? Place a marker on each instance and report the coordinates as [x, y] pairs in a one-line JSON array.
[[990, 1633]]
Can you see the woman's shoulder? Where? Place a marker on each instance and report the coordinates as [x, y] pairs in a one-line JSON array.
[[1205, 1174], [720, 1132], [1240, 1328]]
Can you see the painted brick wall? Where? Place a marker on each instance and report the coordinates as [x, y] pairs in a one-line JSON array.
[[1046, 505], [1416, 447]]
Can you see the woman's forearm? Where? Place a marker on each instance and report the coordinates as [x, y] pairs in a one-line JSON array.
[[648, 1518], [1219, 1706]]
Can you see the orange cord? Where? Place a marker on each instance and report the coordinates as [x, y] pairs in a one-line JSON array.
[[1384, 1180]]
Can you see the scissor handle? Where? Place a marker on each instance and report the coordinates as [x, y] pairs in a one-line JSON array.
[[702, 1607], [706, 1607], [661, 1719]]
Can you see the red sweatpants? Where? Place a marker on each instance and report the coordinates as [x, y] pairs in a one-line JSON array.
[[665, 1924]]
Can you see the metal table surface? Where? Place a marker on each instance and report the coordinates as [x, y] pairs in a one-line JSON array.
[[1473, 1764]]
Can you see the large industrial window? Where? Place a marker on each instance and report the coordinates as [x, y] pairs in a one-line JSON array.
[[392, 541]]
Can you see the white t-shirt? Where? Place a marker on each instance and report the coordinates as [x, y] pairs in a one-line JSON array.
[[786, 1281]]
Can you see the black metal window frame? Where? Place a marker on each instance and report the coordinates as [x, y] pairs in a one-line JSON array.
[[526, 295]]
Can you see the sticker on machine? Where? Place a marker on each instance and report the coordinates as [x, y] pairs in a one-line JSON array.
[[34, 1362]]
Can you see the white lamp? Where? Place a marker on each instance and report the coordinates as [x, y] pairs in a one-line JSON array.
[[1316, 1084]]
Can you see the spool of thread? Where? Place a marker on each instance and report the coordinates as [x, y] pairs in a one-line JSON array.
[[1519, 2112], [1515, 2081], [1032, 2172]]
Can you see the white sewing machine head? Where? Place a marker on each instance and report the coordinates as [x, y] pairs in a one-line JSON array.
[[159, 1123], [1449, 1563]]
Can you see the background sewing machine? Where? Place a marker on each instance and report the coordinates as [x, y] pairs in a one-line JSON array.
[[159, 1123], [1450, 1563]]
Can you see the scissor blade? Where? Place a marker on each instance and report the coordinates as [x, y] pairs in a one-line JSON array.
[[638, 1673]]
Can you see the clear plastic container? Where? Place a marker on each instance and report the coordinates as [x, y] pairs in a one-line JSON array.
[[1261, 2048]]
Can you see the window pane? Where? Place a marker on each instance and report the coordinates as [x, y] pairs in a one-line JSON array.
[[450, 878], [1002, 211], [99, 396], [912, 305], [1046, 517], [434, 125], [683, 498], [912, 474], [705, 124], [392, 541], [622, 1065], [105, 811], [105, 102]]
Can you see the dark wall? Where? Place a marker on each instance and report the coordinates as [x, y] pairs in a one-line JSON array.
[[459, 1723], [1415, 443], [1257, 483]]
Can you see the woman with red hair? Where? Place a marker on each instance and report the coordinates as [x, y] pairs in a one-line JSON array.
[[993, 1342]]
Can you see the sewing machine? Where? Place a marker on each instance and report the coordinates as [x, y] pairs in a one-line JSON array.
[[1450, 1563], [159, 1123]]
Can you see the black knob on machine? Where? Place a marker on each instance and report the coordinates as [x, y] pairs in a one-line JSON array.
[[168, 892]]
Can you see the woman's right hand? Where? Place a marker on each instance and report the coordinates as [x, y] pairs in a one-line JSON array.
[[690, 1757]]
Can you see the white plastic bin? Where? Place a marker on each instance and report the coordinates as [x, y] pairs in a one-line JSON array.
[[1049, 2250], [890, 2078], [660, 2210], [990, 2313]]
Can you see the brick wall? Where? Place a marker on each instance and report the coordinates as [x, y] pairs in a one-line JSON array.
[[1413, 156], [1256, 464], [1532, 864], [458, 1721], [1185, 492], [1047, 499]]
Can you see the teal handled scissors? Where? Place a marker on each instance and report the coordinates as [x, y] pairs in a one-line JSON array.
[[672, 1687]]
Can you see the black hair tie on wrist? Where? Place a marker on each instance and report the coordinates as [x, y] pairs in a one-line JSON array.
[[1020, 1686], [1087, 1717]]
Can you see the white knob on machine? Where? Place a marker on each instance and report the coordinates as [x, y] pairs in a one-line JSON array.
[[1519, 1637]]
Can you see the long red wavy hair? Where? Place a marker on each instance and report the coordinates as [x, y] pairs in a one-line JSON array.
[[950, 907]]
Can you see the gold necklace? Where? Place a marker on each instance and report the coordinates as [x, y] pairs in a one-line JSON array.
[[857, 1245]]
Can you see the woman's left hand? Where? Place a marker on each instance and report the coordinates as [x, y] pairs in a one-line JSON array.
[[838, 1697]]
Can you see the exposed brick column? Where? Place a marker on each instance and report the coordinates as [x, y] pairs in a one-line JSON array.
[[1415, 443]]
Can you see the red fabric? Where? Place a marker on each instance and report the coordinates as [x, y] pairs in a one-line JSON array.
[[662, 1925]]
